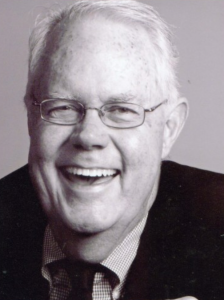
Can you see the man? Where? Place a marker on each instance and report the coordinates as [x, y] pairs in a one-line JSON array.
[[103, 112]]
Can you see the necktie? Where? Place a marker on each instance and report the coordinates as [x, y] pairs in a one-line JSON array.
[[81, 275]]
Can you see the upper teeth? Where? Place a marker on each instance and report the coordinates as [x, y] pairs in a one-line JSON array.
[[91, 172]]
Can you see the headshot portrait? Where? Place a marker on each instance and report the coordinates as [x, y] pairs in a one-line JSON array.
[[112, 182]]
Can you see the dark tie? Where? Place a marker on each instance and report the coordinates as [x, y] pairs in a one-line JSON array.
[[81, 275]]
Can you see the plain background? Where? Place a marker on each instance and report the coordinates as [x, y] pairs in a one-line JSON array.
[[198, 27]]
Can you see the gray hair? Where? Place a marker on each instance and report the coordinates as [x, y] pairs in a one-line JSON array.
[[164, 56]]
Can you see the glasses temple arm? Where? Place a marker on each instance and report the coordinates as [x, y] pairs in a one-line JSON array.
[[156, 106]]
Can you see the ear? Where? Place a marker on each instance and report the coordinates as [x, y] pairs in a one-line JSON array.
[[175, 121]]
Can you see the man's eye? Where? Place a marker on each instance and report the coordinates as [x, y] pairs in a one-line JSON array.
[[121, 110], [61, 110]]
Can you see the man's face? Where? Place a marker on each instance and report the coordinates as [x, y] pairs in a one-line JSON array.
[[97, 61]]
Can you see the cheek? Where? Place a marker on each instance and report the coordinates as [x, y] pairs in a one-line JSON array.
[[141, 160], [141, 146], [46, 141]]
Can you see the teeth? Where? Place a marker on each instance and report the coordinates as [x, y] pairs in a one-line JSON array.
[[91, 172]]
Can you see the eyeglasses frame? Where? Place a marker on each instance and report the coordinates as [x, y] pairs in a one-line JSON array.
[[35, 103]]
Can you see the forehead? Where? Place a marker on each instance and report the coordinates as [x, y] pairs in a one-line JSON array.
[[94, 32], [107, 51]]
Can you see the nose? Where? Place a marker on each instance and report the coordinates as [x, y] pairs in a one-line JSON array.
[[90, 133]]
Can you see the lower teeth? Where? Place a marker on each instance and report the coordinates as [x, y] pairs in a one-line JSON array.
[[89, 178]]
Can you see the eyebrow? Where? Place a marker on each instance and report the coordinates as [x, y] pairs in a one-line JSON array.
[[59, 96], [122, 98], [115, 98]]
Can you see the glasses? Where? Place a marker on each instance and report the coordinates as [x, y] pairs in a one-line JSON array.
[[71, 112]]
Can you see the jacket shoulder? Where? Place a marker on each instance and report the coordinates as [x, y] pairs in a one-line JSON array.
[[17, 195], [18, 199], [22, 225], [17, 179], [200, 192], [186, 173]]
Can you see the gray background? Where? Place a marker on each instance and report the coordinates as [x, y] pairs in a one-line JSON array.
[[199, 34]]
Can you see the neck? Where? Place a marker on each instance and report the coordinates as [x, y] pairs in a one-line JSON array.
[[92, 248]]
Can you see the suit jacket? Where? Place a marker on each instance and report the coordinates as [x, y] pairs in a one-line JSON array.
[[181, 250]]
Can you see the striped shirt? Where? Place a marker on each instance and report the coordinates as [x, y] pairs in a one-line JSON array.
[[119, 261]]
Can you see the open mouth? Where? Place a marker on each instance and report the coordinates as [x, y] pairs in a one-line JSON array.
[[89, 176]]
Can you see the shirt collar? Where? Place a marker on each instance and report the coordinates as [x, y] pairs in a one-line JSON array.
[[119, 261]]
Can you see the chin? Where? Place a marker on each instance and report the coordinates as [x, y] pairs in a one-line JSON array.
[[88, 224]]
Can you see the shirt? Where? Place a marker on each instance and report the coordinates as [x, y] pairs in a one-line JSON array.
[[119, 261]]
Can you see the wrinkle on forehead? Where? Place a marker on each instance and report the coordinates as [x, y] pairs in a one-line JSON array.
[[72, 35], [130, 44], [88, 33]]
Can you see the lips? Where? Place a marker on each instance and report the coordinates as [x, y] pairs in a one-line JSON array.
[[85, 176]]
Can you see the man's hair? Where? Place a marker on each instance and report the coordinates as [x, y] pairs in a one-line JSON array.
[[162, 56]]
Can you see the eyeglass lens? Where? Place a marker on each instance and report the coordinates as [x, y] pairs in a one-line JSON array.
[[72, 112]]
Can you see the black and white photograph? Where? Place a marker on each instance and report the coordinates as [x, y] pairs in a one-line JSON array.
[[112, 150]]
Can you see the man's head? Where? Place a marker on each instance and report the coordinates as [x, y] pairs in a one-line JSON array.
[[95, 180]]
